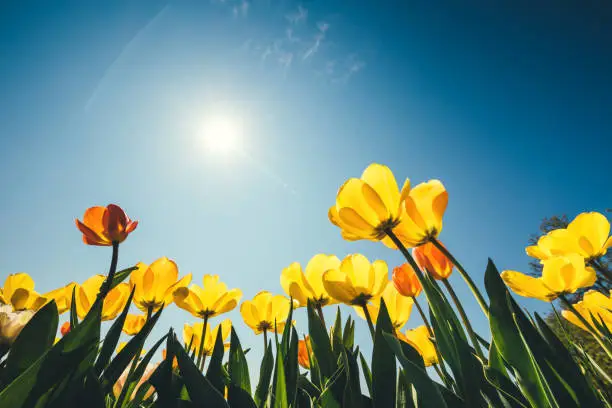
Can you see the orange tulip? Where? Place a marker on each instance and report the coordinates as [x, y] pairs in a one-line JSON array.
[[432, 260], [406, 281], [104, 226], [65, 329], [304, 353]]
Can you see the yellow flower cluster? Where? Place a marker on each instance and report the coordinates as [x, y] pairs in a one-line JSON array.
[[567, 256]]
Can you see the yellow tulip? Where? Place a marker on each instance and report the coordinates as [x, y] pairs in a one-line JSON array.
[[156, 283], [114, 302], [304, 352], [420, 340], [303, 286], [560, 275], [193, 335], [133, 324], [398, 306], [12, 322], [212, 299], [18, 291], [593, 303], [367, 207], [62, 297], [122, 344], [264, 311], [356, 281], [422, 209], [429, 258], [588, 235]]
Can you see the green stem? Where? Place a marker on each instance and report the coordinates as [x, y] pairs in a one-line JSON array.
[[265, 333], [431, 334], [588, 325], [601, 269], [320, 312], [105, 288], [464, 275], [464, 318], [201, 348], [407, 255], [149, 313], [369, 319]]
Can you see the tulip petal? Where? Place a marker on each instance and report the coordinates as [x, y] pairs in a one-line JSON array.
[[527, 286], [338, 285], [381, 179]]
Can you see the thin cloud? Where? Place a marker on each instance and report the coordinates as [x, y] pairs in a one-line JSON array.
[[300, 15], [241, 10]]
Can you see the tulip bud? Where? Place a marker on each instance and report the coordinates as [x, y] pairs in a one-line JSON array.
[[405, 281]]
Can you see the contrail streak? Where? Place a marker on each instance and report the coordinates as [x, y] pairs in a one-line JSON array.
[[124, 51]]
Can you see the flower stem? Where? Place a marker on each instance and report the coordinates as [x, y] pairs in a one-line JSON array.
[[369, 319], [464, 275], [588, 325], [431, 334], [105, 288], [265, 333], [320, 312], [201, 348], [149, 313], [464, 318], [406, 254], [601, 269]]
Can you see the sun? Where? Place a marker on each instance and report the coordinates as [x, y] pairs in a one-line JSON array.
[[222, 135]]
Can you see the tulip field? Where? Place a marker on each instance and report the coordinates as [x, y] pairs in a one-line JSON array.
[[520, 362]]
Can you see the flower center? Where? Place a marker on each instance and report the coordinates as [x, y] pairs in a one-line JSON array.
[[361, 299], [264, 326], [387, 225]]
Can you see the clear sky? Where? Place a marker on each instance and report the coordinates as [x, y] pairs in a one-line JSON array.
[[509, 105]]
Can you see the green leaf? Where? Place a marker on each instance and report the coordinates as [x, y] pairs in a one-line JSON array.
[[92, 395], [348, 336], [279, 398], [70, 356], [214, 374], [508, 340], [265, 376], [201, 391], [352, 389], [321, 346], [239, 398], [74, 317], [118, 364], [291, 366], [427, 391], [308, 387], [34, 340], [238, 368], [404, 392], [367, 374], [286, 338], [383, 362], [162, 378], [122, 275], [133, 379], [336, 335], [112, 337]]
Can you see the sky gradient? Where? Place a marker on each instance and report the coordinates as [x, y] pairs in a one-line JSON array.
[[509, 105]]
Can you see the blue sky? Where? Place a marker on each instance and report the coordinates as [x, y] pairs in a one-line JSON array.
[[510, 106]]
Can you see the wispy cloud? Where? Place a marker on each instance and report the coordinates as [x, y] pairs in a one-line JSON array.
[[297, 16], [303, 44], [241, 10]]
